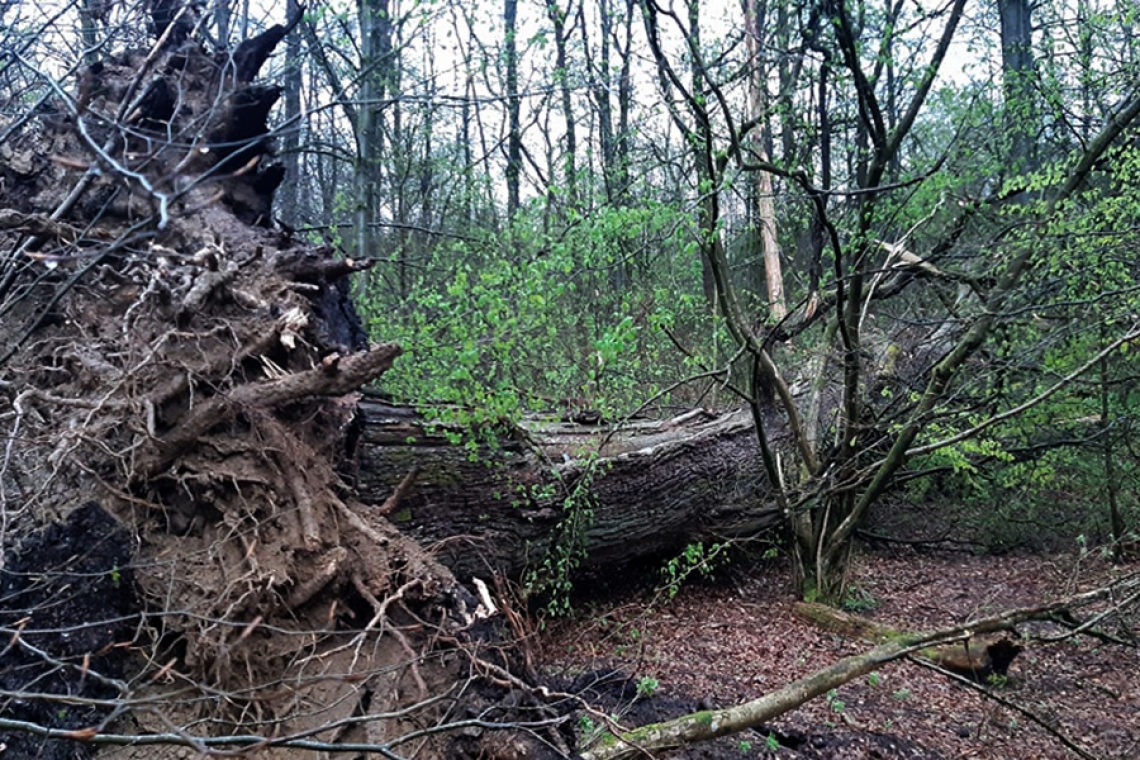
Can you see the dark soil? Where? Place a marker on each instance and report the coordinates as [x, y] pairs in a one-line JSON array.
[[67, 613]]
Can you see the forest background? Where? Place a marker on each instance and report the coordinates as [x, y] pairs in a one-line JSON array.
[[904, 231], [623, 206]]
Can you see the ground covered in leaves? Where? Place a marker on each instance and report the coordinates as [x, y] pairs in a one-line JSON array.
[[730, 640]]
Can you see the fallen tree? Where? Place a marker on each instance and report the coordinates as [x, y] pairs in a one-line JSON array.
[[610, 495]]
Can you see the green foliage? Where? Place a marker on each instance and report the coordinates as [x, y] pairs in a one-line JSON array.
[[859, 600], [521, 321], [588, 730], [553, 578], [647, 687], [1044, 475], [697, 558], [834, 702]]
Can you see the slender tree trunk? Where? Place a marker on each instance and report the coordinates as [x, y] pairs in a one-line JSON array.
[[764, 208], [1019, 74], [625, 106], [708, 209], [613, 139], [1115, 518], [600, 87], [289, 193], [562, 76], [514, 129], [465, 148], [427, 168], [375, 54], [223, 19], [89, 13]]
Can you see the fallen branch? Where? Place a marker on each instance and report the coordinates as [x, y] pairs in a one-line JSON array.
[[393, 501], [1025, 712], [710, 724]]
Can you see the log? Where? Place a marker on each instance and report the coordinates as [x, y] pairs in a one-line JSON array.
[[621, 495]]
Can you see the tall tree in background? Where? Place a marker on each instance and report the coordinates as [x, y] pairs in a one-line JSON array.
[[292, 138], [376, 61], [1019, 83], [837, 477], [762, 205], [514, 105], [558, 17]]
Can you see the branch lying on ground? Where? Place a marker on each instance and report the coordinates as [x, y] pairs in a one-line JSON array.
[[1025, 712], [710, 724]]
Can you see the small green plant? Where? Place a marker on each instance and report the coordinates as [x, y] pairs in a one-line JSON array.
[[860, 600], [901, 694], [835, 702], [647, 687], [997, 680], [696, 558], [116, 575], [744, 746], [874, 679], [587, 728], [772, 742], [553, 577]]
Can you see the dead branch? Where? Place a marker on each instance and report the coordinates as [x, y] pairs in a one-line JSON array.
[[710, 724], [38, 225], [1009, 704], [393, 501]]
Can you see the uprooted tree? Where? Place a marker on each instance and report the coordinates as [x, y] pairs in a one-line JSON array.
[[174, 359], [181, 378]]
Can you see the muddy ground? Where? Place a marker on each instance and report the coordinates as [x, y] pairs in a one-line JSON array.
[[70, 592], [733, 638]]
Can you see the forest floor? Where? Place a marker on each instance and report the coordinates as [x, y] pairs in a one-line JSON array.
[[731, 639]]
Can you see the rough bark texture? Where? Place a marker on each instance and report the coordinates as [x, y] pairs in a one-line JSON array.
[[648, 489]]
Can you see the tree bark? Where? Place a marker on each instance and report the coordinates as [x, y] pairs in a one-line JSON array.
[[649, 490], [1018, 74], [514, 129], [558, 18]]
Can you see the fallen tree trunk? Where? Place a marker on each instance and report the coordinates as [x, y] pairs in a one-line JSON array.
[[605, 498]]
